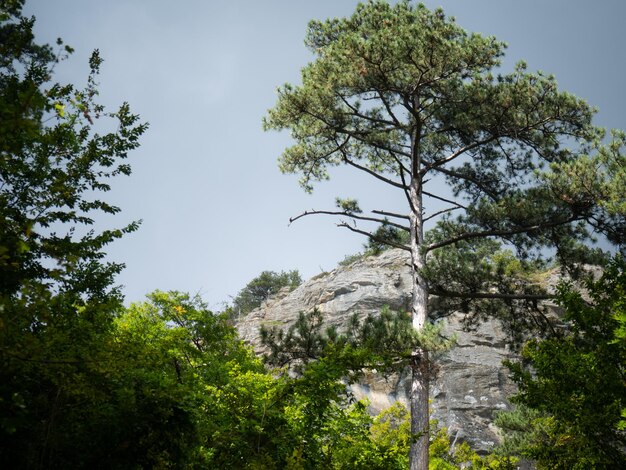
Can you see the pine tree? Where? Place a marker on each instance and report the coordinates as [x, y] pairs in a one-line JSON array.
[[409, 98]]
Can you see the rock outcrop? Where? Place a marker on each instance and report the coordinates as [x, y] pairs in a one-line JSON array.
[[471, 382]]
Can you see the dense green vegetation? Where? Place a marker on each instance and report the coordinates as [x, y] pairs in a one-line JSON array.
[[86, 382], [261, 288], [572, 392], [57, 295]]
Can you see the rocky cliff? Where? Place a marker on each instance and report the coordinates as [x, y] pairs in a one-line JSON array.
[[471, 382]]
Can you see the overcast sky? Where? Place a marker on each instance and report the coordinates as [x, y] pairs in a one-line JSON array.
[[203, 73]]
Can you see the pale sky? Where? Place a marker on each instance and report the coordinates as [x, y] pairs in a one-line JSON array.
[[214, 205]]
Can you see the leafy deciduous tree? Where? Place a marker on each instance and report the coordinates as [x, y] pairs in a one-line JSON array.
[[406, 96], [572, 391], [195, 395], [57, 295]]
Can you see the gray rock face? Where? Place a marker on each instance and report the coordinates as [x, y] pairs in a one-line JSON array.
[[471, 382]]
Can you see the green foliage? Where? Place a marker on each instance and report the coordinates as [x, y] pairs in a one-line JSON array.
[[214, 396], [483, 279], [350, 206], [86, 383], [57, 295], [379, 442], [230, 411], [351, 259], [572, 385], [443, 457], [383, 342], [263, 287], [599, 175], [382, 442], [384, 237], [53, 165]]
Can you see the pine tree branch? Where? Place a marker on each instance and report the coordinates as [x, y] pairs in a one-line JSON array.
[[311, 167], [453, 156], [391, 214], [499, 233], [374, 237], [388, 108], [352, 133], [371, 172], [470, 179], [352, 215], [443, 199], [440, 292], [401, 167], [355, 112], [443, 211]]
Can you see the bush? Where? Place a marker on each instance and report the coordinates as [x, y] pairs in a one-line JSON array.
[[261, 288]]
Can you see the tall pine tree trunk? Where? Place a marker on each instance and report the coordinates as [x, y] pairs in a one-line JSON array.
[[418, 456]]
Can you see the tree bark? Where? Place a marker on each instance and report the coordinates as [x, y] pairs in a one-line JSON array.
[[418, 454]]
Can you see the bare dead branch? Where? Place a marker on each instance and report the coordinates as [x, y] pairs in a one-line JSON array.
[[391, 214], [351, 215], [443, 211], [443, 199]]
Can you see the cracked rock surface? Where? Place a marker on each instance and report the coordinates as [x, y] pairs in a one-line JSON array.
[[471, 382]]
